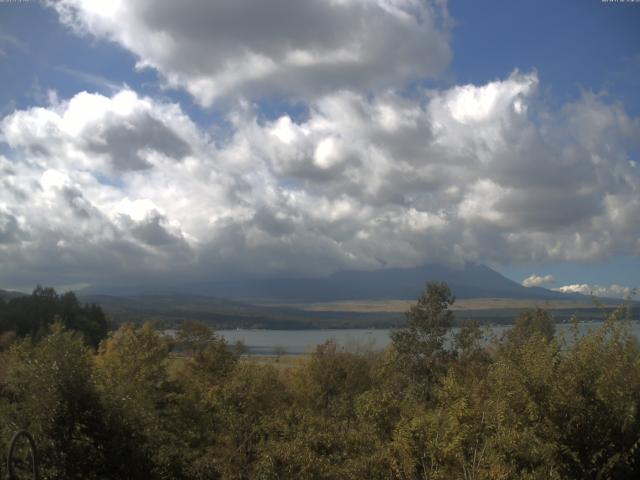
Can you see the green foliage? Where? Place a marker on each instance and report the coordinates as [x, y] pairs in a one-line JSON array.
[[528, 324], [132, 378], [420, 344], [51, 388], [47, 388], [246, 406], [32, 315], [434, 405], [548, 409], [210, 358], [331, 380], [323, 434]]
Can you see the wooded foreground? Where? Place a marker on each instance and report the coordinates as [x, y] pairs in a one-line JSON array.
[[528, 405]]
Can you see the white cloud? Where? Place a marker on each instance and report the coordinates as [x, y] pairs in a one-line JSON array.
[[225, 48], [128, 187], [538, 280], [124, 132], [612, 291]]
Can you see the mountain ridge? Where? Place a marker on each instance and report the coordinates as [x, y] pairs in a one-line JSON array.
[[469, 281], [9, 294]]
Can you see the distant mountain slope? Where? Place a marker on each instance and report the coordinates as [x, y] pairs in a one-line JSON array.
[[470, 281], [9, 294], [174, 308], [259, 303]]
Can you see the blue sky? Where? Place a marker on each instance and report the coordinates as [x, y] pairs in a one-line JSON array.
[[573, 45], [567, 69]]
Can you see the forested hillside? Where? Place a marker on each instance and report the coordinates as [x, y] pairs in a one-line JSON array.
[[32, 315], [528, 405]]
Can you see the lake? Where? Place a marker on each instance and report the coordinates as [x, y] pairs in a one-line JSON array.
[[300, 342]]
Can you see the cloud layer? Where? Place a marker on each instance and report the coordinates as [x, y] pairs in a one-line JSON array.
[[97, 188], [538, 280], [612, 291], [231, 48]]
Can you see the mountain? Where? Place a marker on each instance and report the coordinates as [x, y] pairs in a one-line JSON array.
[[261, 303], [470, 281], [9, 294]]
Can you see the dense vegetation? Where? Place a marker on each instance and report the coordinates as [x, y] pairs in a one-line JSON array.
[[528, 405], [32, 315]]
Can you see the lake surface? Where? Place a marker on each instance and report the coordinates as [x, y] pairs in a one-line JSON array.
[[300, 342]]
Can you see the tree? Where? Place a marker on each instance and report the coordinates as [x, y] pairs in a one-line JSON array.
[[468, 344], [246, 408], [32, 315], [132, 378], [420, 344], [530, 324], [210, 358], [53, 396]]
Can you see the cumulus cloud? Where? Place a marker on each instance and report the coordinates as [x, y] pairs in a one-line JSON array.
[[125, 186], [9, 228], [105, 134], [538, 280], [612, 291], [252, 47]]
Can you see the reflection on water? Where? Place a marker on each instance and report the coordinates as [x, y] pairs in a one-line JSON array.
[[300, 342]]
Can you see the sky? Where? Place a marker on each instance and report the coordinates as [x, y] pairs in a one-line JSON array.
[[201, 140]]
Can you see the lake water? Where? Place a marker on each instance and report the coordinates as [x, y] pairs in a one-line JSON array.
[[300, 342]]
